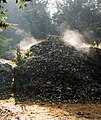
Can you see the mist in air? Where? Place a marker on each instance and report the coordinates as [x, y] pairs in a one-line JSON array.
[[75, 39]]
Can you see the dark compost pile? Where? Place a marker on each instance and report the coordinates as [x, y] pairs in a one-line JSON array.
[[59, 72]]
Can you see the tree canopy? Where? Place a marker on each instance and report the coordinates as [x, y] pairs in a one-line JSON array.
[[82, 15]]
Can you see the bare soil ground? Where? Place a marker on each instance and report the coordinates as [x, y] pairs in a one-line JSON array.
[[48, 111]]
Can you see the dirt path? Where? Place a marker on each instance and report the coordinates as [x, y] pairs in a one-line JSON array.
[[46, 111]]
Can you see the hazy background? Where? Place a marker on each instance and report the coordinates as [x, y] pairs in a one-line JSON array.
[[41, 18]]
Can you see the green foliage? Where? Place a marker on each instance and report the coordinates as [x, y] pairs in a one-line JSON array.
[[3, 15], [5, 1], [36, 17], [19, 59], [3, 18], [22, 3], [4, 44], [22, 57], [3, 12], [4, 25]]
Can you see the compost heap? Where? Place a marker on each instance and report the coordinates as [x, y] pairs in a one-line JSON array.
[[59, 72]]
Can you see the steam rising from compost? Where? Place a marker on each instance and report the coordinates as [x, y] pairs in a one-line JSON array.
[[27, 41], [70, 38], [75, 39]]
